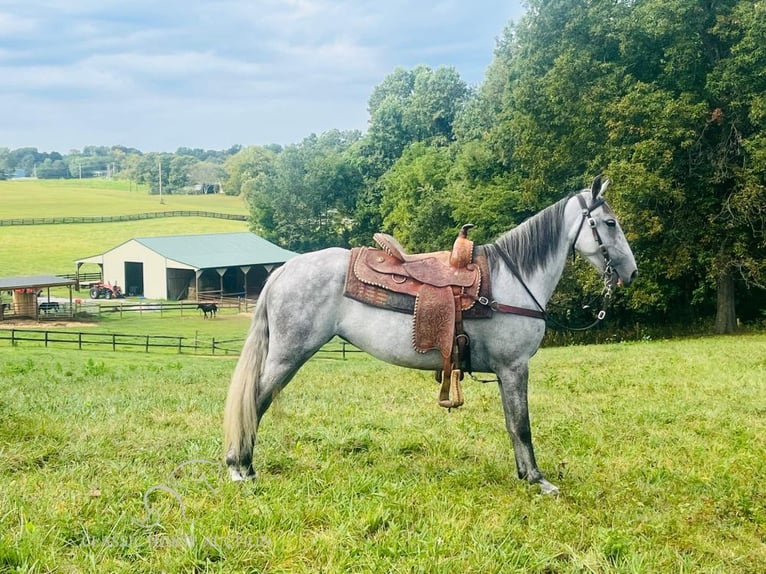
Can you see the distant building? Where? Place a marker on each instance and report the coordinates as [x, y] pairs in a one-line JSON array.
[[190, 266], [206, 188]]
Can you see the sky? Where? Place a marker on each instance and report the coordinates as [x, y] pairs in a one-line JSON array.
[[157, 75]]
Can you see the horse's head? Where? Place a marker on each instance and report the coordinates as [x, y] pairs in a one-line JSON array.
[[600, 238]]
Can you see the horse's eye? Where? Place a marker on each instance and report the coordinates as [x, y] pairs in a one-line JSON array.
[[611, 222]]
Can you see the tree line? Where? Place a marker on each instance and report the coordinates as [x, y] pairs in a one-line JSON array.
[[667, 97]]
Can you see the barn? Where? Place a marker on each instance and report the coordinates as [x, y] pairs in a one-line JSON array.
[[178, 267]]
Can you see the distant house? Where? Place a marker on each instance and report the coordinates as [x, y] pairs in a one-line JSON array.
[[190, 266], [206, 188]]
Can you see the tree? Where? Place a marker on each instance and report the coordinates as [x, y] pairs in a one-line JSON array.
[[409, 106], [415, 204], [700, 140], [306, 200], [661, 94], [244, 168]]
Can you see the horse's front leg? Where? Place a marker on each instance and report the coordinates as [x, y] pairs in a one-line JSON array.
[[513, 393]]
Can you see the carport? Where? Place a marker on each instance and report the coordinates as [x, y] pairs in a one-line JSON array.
[[25, 291]]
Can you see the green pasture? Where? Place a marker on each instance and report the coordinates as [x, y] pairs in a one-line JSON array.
[[111, 462], [94, 197], [53, 249]]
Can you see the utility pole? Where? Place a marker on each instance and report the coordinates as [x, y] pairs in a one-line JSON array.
[[160, 164]]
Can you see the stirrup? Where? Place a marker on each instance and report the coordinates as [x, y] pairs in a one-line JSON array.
[[451, 388]]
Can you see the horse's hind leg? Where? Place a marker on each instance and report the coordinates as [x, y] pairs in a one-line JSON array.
[[513, 392], [273, 379], [269, 360]]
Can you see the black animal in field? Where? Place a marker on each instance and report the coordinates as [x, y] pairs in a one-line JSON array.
[[208, 309], [48, 307]]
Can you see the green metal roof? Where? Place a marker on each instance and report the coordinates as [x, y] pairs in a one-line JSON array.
[[213, 250]]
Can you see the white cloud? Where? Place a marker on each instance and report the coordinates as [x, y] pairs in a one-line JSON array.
[[12, 25], [162, 74]]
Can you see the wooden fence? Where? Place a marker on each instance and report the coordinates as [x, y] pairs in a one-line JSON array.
[[90, 309], [114, 218], [146, 343], [86, 277], [239, 305]]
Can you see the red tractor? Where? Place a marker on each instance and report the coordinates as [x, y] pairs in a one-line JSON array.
[[105, 290]]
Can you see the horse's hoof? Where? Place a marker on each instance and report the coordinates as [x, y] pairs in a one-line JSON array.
[[238, 476], [548, 489]]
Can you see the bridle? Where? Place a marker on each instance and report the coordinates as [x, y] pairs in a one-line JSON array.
[[540, 313], [587, 211]]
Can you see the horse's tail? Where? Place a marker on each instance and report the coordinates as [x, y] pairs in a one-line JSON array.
[[240, 419]]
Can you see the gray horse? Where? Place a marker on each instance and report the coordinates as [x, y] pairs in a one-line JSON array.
[[302, 307]]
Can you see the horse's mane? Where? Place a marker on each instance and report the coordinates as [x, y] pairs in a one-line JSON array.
[[532, 243]]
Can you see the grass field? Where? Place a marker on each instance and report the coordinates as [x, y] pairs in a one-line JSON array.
[[110, 463], [51, 249], [91, 197]]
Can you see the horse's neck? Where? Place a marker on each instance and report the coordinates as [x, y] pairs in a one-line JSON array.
[[543, 281]]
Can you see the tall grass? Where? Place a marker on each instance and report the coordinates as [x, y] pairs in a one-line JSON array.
[[109, 464]]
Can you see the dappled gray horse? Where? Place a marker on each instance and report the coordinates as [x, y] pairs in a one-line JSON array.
[[303, 306]]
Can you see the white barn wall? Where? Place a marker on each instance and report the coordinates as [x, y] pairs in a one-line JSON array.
[[154, 268]]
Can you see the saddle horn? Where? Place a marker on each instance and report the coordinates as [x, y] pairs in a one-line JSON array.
[[462, 249]]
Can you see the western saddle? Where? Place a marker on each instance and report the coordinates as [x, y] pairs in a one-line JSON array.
[[438, 288]]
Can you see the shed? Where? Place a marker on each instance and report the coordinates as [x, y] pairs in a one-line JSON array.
[[190, 266], [25, 290]]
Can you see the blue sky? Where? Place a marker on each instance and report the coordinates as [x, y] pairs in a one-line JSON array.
[[161, 74]]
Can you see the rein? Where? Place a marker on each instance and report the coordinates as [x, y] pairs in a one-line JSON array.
[[540, 312]]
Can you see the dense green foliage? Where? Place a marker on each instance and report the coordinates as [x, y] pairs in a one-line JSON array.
[[112, 464], [664, 96]]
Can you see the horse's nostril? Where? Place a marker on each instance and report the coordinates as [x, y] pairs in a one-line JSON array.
[[634, 275]]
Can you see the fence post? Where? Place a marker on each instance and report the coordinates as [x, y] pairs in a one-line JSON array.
[[147, 343], [213, 345], [46, 338], [179, 345], [114, 341]]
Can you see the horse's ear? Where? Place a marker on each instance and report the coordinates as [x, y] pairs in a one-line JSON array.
[[599, 186]]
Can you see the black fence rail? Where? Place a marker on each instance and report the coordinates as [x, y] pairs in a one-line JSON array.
[[108, 341], [146, 343], [237, 305], [115, 218], [85, 277], [84, 310]]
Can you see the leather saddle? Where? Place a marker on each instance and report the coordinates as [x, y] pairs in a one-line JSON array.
[[443, 284]]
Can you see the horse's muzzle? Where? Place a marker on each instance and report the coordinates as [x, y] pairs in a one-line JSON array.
[[625, 282]]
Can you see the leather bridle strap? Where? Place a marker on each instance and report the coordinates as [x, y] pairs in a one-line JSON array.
[[586, 216]]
